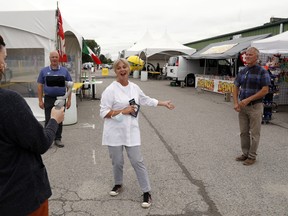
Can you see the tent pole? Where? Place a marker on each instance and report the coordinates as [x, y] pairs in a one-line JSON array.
[[205, 67], [146, 63], [235, 68]]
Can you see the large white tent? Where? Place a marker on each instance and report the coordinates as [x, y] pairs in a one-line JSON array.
[[163, 45], [273, 45], [158, 50], [31, 35]]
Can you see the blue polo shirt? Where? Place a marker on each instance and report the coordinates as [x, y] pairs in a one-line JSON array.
[[250, 80], [48, 71]]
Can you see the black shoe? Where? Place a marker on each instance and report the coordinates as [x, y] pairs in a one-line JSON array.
[[115, 190], [147, 200], [59, 143]]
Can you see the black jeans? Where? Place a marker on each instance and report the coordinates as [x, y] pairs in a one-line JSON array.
[[48, 105]]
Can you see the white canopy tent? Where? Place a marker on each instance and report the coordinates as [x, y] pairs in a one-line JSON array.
[[273, 45], [164, 45], [158, 50], [31, 35], [140, 45]]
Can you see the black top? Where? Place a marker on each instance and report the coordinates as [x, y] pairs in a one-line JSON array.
[[24, 183]]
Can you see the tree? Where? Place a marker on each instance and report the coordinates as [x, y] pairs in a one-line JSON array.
[[103, 59]]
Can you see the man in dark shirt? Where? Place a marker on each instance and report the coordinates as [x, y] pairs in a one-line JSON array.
[[251, 85], [24, 184]]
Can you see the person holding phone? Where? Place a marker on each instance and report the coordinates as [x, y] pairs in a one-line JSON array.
[[119, 107], [24, 183]]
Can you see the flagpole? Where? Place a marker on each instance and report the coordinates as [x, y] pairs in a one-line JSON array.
[[60, 37], [57, 46], [56, 32]]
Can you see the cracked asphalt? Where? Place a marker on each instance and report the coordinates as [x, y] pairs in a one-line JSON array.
[[189, 153]]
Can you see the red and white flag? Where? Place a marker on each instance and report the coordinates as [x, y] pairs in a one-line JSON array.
[[61, 38]]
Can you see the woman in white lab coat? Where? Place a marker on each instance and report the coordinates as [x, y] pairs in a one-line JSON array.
[[120, 103]]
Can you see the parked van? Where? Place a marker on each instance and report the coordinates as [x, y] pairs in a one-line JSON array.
[[182, 69]]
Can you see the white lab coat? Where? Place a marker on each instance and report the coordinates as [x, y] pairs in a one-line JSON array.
[[116, 97]]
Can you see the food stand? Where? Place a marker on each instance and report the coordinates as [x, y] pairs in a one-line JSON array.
[[228, 51]]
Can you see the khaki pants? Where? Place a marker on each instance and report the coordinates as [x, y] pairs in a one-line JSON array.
[[250, 118]]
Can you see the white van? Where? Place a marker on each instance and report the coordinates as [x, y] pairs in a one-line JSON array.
[[183, 69]]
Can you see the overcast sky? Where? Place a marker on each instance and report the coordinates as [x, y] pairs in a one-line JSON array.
[[117, 24]]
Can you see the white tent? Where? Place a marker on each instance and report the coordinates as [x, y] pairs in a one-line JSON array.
[[31, 35], [146, 40], [158, 49], [273, 45]]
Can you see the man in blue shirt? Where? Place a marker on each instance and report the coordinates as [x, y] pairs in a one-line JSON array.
[[250, 86], [51, 93]]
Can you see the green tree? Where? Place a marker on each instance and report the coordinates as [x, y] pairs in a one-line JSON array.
[[103, 59]]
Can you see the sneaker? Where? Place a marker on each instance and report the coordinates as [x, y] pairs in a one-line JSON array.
[[115, 190], [59, 143], [249, 161], [147, 200], [241, 158]]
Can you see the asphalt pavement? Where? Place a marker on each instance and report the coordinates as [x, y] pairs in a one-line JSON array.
[[190, 156]]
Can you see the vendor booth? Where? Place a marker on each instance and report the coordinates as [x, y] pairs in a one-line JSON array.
[[274, 57], [227, 52]]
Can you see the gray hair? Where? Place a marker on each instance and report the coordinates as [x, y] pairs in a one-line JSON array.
[[255, 50]]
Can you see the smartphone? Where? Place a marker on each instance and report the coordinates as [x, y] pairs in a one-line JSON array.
[[136, 107]]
